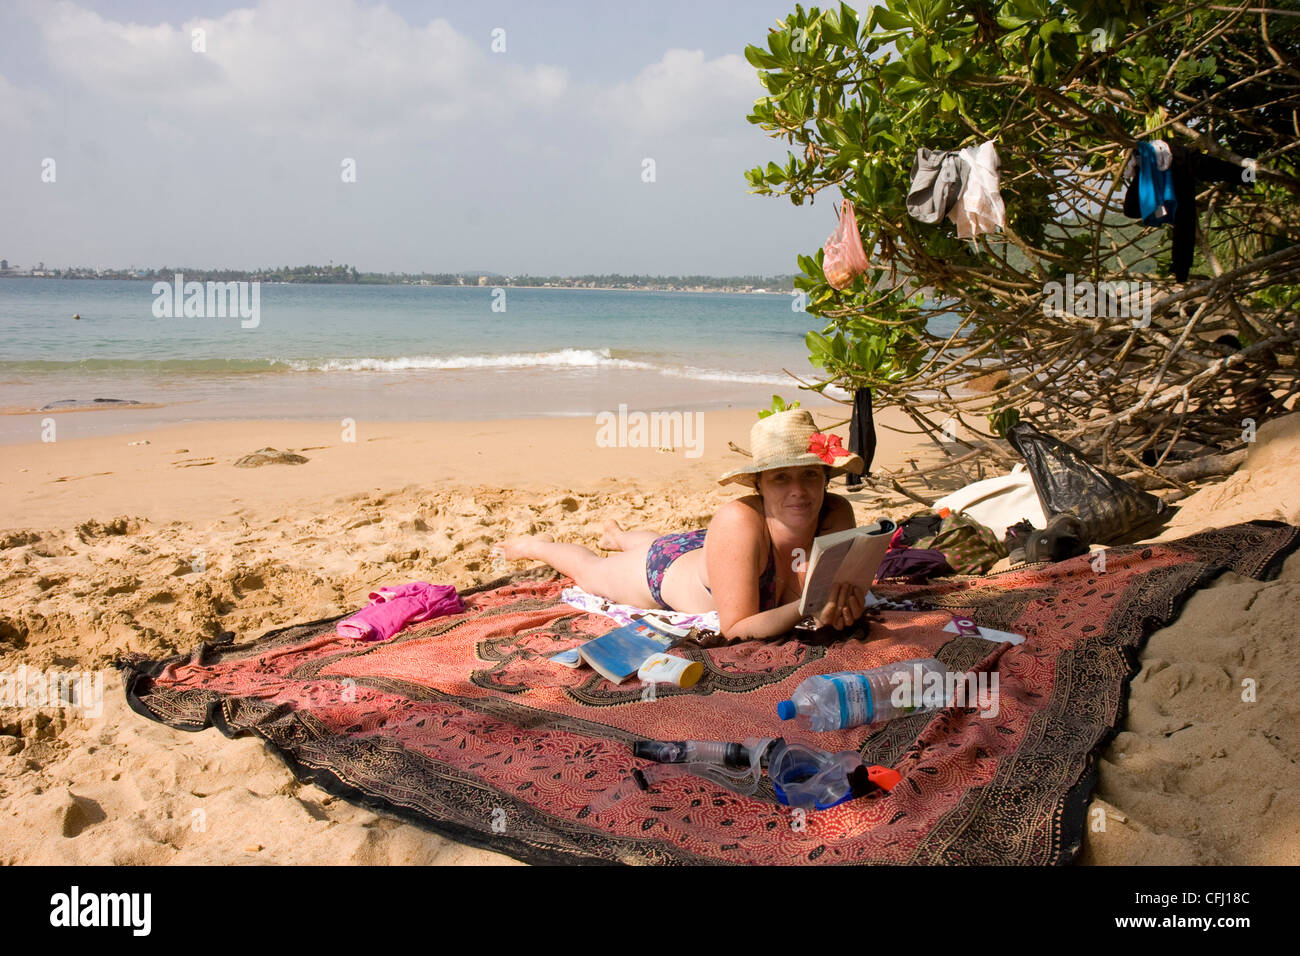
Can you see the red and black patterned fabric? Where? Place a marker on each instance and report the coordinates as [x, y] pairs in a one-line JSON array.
[[461, 725]]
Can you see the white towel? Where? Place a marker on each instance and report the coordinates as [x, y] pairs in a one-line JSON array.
[[626, 613], [979, 208]]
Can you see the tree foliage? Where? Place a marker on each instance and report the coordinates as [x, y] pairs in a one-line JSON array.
[[1066, 90]]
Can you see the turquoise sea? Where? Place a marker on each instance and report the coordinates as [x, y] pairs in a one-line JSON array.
[[400, 352]]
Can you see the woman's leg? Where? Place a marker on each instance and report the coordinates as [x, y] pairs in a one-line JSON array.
[[619, 577], [616, 539]]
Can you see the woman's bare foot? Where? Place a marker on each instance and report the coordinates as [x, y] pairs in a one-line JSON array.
[[609, 541], [518, 548]]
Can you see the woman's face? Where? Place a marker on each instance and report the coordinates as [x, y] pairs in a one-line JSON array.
[[794, 495]]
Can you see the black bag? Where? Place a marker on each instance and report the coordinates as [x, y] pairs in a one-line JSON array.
[[1108, 508]]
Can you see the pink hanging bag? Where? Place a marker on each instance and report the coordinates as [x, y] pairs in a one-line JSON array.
[[845, 258]]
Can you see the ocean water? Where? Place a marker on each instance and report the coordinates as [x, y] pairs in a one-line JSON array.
[[327, 352]]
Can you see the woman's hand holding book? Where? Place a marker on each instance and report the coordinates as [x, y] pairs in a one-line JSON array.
[[846, 604]]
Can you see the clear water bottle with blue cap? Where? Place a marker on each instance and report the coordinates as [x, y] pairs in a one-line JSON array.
[[852, 698]]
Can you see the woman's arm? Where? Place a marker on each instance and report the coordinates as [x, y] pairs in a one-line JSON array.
[[778, 620], [734, 555]]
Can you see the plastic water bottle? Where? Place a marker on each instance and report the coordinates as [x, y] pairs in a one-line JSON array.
[[851, 698]]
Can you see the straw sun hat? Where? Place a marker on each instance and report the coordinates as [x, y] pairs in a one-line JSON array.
[[790, 439]]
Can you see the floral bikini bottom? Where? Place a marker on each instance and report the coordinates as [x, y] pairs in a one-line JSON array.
[[669, 547], [663, 552]]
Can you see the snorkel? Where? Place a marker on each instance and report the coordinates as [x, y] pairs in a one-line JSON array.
[[802, 776]]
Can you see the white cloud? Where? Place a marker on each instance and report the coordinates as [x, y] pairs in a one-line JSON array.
[[337, 69], [19, 107], [684, 91], [292, 66]]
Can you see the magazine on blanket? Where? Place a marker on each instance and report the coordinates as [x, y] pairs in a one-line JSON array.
[[618, 654], [853, 555]]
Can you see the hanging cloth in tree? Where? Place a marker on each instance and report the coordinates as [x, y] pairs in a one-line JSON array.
[[862, 434], [938, 178], [1187, 169], [1151, 196], [1190, 169], [979, 208]]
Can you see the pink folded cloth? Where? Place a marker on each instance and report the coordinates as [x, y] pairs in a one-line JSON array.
[[402, 590], [394, 608]]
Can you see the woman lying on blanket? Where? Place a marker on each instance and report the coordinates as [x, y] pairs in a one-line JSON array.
[[748, 564]]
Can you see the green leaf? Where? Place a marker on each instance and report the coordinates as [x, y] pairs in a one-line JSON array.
[[818, 344], [760, 58], [848, 22], [887, 19], [918, 58], [778, 41], [797, 103]]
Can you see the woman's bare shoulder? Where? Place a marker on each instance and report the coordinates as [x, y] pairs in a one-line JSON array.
[[738, 515], [839, 512], [839, 504]]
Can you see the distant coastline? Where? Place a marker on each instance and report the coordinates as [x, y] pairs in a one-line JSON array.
[[344, 275]]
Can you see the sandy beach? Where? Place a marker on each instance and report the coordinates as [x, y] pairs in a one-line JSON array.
[[111, 545]]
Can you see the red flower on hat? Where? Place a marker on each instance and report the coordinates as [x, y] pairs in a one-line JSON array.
[[826, 447]]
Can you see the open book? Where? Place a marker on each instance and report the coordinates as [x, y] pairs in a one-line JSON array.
[[616, 655], [852, 555]]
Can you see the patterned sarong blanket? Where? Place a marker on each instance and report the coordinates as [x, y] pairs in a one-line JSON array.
[[461, 725]]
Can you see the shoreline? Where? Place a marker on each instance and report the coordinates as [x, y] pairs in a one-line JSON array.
[[467, 396]]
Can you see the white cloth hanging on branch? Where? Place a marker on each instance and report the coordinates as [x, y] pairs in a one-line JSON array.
[[979, 208]]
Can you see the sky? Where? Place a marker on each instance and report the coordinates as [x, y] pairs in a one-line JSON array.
[[532, 159]]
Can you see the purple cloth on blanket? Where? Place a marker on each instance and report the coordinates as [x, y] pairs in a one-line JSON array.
[[915, 564], [394, 608]]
